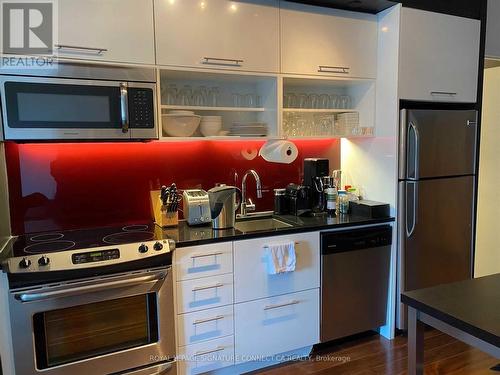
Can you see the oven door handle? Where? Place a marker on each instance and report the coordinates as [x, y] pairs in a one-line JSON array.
[[125, 121], [32, 297]]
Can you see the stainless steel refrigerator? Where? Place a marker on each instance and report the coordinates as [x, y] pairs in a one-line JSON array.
[[437, 157]]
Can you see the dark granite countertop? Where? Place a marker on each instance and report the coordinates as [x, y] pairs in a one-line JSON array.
[[472, 306], [185, 235]]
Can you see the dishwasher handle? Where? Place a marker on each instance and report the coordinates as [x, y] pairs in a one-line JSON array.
[[357, 239]]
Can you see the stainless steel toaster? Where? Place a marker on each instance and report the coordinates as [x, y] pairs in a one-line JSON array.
[[196, 206]]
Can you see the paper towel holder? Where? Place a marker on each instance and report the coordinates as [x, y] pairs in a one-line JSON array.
[[270, 145]]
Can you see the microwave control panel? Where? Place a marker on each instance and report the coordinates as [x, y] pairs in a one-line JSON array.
[[141, 107]]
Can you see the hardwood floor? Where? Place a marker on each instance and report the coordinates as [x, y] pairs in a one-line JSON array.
[[376, 355]]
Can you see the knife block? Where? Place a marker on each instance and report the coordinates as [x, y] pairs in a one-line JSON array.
[[162, 217]]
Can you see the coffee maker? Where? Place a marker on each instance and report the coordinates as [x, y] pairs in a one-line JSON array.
[[315, 169]]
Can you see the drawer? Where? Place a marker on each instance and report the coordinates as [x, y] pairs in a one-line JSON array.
[[251, 279], [201, 261], [275, 325], [204, 325], [206, 356], [204, 293]]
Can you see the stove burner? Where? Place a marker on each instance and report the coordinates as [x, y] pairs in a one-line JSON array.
[[135, 228], [47, 237], [49, 247], [128, 237]]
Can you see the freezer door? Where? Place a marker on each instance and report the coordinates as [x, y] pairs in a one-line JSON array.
[[437, 143], [437, 231]]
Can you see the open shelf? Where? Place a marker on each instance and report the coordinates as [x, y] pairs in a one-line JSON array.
[[218, 109], [318, 110]]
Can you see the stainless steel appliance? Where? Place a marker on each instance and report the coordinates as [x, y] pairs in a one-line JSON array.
[[80, 102], [437, 155], [94, 301], [196, 206], [355, 267], [223, 206]]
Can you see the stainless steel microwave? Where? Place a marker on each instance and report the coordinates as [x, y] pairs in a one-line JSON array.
[[98, 106]]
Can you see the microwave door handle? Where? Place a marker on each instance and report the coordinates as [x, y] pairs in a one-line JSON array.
[[124, 107], [140, 280]]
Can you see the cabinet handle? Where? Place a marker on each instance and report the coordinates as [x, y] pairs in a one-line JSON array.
[[97, 50], [471, 123], [198, 288], [433, 93], [296, 243], [333, 69], [205, 352], [206, 255], [219, 61], [271, 307], [201, 321]]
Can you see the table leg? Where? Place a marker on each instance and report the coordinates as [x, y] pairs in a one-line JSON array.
[[415, 343]]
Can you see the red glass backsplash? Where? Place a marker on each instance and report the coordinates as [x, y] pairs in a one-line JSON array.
[[55, 186]]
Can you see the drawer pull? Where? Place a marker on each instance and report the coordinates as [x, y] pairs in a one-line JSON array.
[[205, 352], [206, 255], [443, 93], [219, 61], [296, 243], [201, 321], [198, 288], [271, 307], [97, 50], [333, 69]]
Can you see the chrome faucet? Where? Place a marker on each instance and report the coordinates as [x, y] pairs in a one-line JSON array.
[[249, 206]]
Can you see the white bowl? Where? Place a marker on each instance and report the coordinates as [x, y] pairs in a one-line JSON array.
[[210, 128], [180, 125]]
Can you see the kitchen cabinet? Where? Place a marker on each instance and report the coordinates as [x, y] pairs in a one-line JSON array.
[[218, 34], [439, 57], [250, 267], [325, 41], [493, 30], [112, 30], [277, 324], [201, 261]]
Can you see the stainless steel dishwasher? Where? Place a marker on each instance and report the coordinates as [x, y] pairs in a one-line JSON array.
[[355, 267]]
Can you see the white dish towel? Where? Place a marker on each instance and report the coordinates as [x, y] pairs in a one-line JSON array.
[[280, 257]]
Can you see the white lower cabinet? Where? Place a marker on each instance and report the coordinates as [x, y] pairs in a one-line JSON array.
[[251, 280], [206, 356], [204, 325], [204, 293], [276, 325]]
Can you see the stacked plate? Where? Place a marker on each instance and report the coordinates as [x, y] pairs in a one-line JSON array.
[[249, 129]]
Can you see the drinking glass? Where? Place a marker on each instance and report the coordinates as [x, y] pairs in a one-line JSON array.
[[290, 100], [214, 97], [236, 99], [324, 101], [249, 100], [198, 98], [171, 94], [204, 94], [185, 95], [313, 101], [334, 101], [302, 100], [345, 102]]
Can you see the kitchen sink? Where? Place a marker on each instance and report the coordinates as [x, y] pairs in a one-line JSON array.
[[261, 224]]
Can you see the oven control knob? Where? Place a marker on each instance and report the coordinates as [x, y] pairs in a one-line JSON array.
[[25, 263], [158, 246], [44, 261], [143, 248]]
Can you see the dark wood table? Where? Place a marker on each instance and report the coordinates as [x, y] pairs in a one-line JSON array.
[[467, 310]]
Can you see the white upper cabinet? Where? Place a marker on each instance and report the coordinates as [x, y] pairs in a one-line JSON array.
[[107, 30], [439, 57], [327, 41], [220, 34], [493, 30]]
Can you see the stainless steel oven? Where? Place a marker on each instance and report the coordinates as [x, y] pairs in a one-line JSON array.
[[80, 102], [117, 324]]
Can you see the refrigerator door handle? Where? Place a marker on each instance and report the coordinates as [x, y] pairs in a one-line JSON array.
[[411, 212], [415, 155]]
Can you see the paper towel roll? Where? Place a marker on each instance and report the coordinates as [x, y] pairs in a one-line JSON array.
[[279, 151]]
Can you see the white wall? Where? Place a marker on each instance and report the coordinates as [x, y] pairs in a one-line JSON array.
[[487, 260]]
